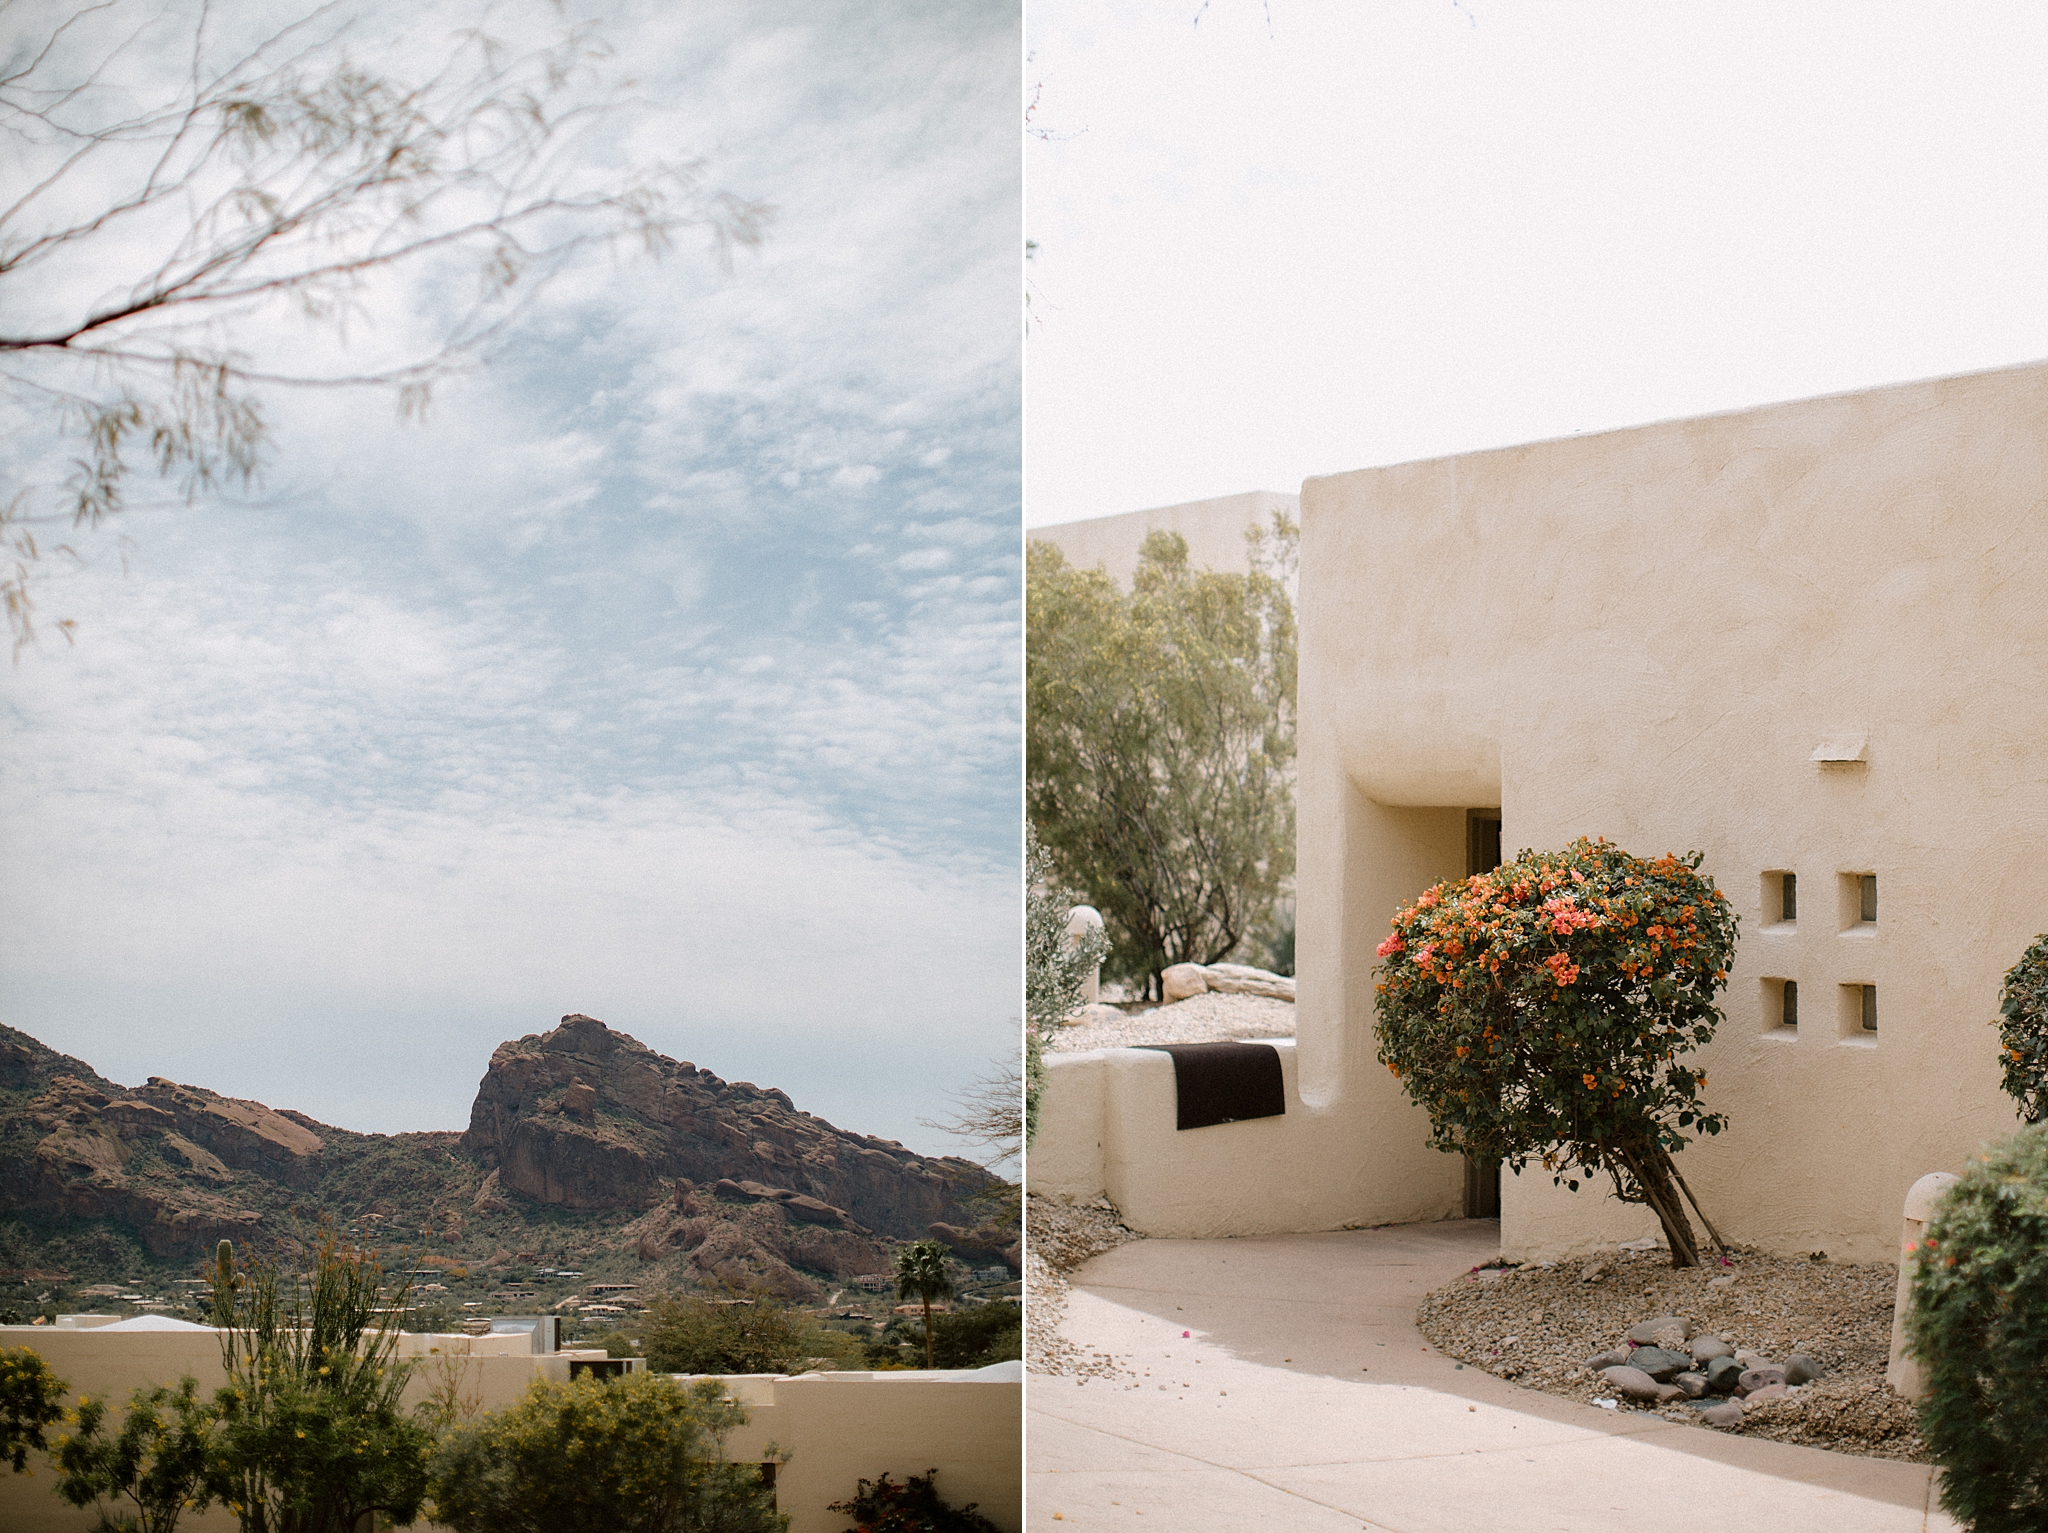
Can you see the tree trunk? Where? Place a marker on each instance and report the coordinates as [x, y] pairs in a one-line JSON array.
[[1657, 1187], [928, 1332]]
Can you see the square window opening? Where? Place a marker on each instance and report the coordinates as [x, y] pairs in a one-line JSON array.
[[1780, 898], [1859, 1014], [1781, 1008], [1859, 901]]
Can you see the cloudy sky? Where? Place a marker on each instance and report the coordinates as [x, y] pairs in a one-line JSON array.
[[1306, 236], [667, 673]]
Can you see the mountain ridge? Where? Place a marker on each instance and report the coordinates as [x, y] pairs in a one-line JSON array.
[[581, 1139]]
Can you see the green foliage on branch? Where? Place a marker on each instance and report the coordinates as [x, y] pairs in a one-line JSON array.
[[1055, 968], [1542, 1011], [596, 1455], [31, 1398], [1978, 1323], [1159, 744], [157, 1464], [882, 1506], [2023, 1032]]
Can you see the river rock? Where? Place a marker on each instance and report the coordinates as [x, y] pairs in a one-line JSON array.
[[1754, 1379], [1767, 1392], [1179, 981], [1694, 1384], [1632, 1383], [1726, 1414], [1659, 1364], [1723, 1374], [1644, 1332], [1801, 1369], [1706, 1348], [1613, 1357]]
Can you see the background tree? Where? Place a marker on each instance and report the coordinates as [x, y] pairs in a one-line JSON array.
[[699, 1335], [156, 1464], [196, 185], [1159, 744], [2023, 1032], [31, 1399], [311, 1434], [1055, 967], [921, 1274], [974, 1337], [1978, 1323], [1541, 1011], [597, 1455]]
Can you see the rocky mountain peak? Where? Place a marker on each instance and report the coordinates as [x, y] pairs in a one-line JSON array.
[[586, 1117]]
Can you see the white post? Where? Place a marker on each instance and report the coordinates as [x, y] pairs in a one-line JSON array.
[[1080, 921], [1903, 1373]]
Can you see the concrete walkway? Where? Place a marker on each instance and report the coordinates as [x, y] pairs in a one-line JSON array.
[[1301, 1397]]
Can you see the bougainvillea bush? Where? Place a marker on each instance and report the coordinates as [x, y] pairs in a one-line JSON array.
[[882, 1506], [2023, 1032], [1978, 1323], [1544, 1011]]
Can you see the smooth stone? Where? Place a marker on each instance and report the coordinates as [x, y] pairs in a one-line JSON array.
[[1801, 1369], [1754, 1379], [1643, 1332], [1181, 981], [1613, 1357], [1705, 1349], [1659, 1364], [1767, 1392], [1726, 1414], [1632, 1382], [1723, 1373], [1694, 1384], [1750, 1359], [1666, 1393]]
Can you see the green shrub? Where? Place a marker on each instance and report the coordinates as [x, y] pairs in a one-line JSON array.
[[311, 1434], [31, 1398], [640, 1452], [974, 1337], [2023, 1031], [157, 1462], [882, 1506], [693, 1335], [1978, 1323]]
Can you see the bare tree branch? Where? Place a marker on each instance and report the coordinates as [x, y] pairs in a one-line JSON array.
[[255, 183]]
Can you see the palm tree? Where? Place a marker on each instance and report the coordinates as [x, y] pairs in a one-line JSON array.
[[921, 1274]]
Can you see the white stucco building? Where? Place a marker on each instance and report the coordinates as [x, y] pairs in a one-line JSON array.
[[1808, 639]]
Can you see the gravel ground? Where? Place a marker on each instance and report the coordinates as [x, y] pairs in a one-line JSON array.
[[1058, 1237], [1210, 1018], [1537, 1325]]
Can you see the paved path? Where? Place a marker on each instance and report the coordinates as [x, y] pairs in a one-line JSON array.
[[1302, 1398]]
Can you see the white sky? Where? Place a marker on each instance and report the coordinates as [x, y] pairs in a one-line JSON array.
[[668, 674], [1394, 229]]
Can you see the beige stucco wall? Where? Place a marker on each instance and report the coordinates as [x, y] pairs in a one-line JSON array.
[[1645, 635], [1214, 530], [838, 1428]]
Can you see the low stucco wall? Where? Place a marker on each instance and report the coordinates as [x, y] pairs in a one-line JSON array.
[[838, 1428], [1107, 1126]]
